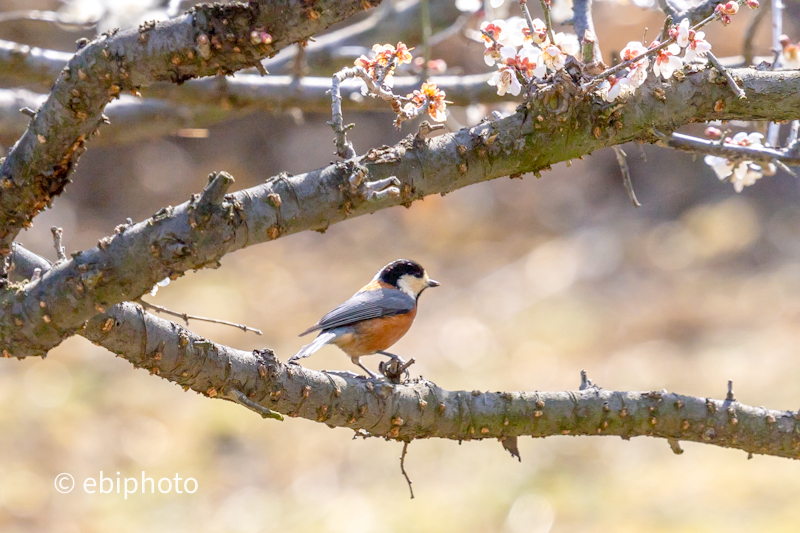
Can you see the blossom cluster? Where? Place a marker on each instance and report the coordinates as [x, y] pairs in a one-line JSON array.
[[380, 68], [432, 97], [741, 173], [522, 53], [387, 58], [665, 62]]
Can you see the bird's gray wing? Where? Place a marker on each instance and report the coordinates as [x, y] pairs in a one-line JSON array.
[[366, 305]]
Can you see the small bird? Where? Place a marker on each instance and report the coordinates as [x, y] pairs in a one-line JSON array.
[[376, 317]]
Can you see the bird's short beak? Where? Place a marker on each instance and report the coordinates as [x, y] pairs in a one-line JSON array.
[[433, 283]]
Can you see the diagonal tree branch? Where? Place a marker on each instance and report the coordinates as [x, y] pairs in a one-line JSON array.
[[208, 40], [421, 409], [198, 233]]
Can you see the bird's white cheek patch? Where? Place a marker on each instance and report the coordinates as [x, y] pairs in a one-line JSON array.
[[411, 285]]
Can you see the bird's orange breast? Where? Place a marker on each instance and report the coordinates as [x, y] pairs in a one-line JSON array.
[[375, 334]]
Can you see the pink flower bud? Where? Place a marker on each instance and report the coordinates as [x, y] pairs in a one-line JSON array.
[[713, 133]]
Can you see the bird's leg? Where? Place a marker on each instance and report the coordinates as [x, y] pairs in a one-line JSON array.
[[394, 370], [392, 356], [357, 362]]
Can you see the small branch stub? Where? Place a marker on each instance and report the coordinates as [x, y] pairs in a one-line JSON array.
[[239, 397], [510, 445], [730, 397], [58, 236]]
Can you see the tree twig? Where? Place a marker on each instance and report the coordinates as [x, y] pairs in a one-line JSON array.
[[548, 20], [626, 175], [186, 317], [58, 237], [722, 70], [403, 468], [688, 143]]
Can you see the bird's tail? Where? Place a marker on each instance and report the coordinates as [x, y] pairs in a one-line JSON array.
[[322, 339]]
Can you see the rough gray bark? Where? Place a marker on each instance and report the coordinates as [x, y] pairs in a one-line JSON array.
[[421, 409], [209, 40], [198, 233]]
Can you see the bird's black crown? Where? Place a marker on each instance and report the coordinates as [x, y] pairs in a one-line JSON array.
[[392, 272]]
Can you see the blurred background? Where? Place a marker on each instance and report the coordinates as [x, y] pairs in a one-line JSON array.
[[540, 278]]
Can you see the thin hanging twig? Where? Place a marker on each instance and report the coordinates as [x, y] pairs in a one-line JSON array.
[[626, 174], [186, 317], [403, 468]]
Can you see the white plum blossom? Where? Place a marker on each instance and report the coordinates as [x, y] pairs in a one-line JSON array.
[[528, 62], [568, 42], [517, 32], [624, 86], [747, 139], [742, 173], [498, 29], [667, 61], [631, 50], [554, 57], [496, 3], [693, 41], [491, 55], [721, 166], [614, 88], [697, 49], [506, 80], [682, 34], [638, 72], [531, 60], [539, 34]]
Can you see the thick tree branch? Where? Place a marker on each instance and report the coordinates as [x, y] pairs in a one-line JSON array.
[[189, 105], [421, 409], [209, 40], [125, 266], [582, 22], [131, 118]]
